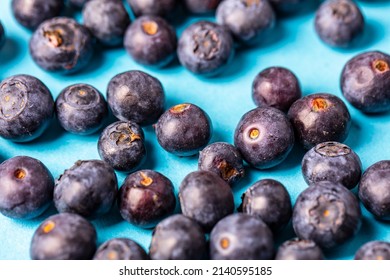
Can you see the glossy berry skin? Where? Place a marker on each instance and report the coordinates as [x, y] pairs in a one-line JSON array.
[[89, 188], [120, 249], [61, 45], [107, 20], [81, 109], [184, 129], [327, 213], [152, 7], [224, 160], [241, 237], [122, 146], [78, 3], [299, 249], [64, 236], [270, 201], [264, 137], [2, 36], [178, 238], [205, 48], [249, 21], [145, 198], [26, 187], [26, 108], [374, 250], [201, 6], [205, 198], [289, 6], [277, 87], [339, 23], [319, 118], [365, 82], [151, 40], [374, 189], [31, 13], [136, 96], [332, 161]]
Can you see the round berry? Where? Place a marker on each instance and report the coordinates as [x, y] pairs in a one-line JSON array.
[[120, 249]]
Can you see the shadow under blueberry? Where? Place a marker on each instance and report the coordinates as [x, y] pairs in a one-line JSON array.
[[9, 51], [53, 132], [150, 161], [111, 218], [293, 159]]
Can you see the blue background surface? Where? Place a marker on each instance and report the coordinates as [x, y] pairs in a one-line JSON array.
[[225, 98]]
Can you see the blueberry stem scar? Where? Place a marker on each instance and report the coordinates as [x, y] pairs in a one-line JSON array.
[[146, 181], [380, 66], [150, 27]]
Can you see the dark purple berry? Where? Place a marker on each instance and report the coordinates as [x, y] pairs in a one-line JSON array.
[[264, 136], [299, 249], [365, 82], [152, 7], [145, 198], [374, 250], [184, 129], [201, 6], [319, 118], [120, 249]]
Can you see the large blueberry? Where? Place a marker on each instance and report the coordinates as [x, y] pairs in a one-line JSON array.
[[374, 250], [120, 249], [152, 7]]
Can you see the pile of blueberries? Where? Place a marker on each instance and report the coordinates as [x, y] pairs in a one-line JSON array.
[[325, 215]]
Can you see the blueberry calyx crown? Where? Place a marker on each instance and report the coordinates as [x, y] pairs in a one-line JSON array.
[[332, 149], [380, 66], [54, 37], [124, 135], [207, 44]]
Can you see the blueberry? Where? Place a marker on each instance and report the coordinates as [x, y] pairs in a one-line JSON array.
[[374, 189], [374, 250], [319, 118], [205, 48], [107, 20], [81, 109], [299, 249], [224, 160], [249, 21], [241, 237], [121, 145], [120, 249], [339, 23], [145, 198], [26, 108], [277, 87], [264, 136], [136, 96], [152, 7], [201, 6], [78, 3], [365, 82], [184, 129], [64, 236], [2, 36], [332, 161], [270, 201], [178, 238], [61, 45], [327, 213], [31, 13], [150, 40], [89, 188], [289, 6], [26, 187]]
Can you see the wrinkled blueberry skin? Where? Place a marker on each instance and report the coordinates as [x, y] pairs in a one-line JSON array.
[[178, 238], [327, 213], [248, 21], [201, 6], [31, 13], [78, 3], [26, 188], [319, 118], [241, 237], [374, 250], [205, 48], [184, 129], [205, 198], [289, 6], [332, 161], [276, 87], [89, 188], [136, 96], [2, 36], [122, 146], [81, 109], [27, 107], [270, 201], [224, 160], [107, 20], [365, 82], [64, 236], [145, 198], [374, 189], [120, 249], [339, 23], [152, 7], [150, 40], [299, 249], [61, 45], [264, 137]]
